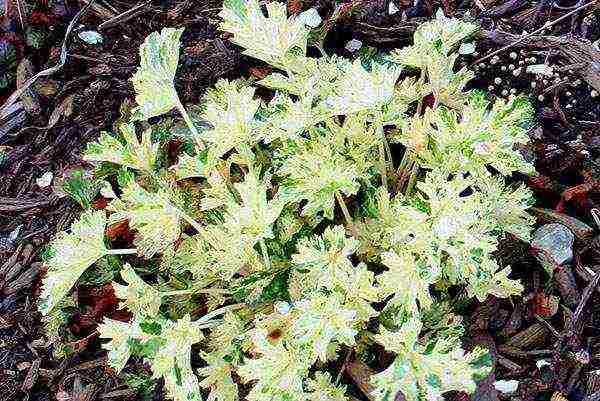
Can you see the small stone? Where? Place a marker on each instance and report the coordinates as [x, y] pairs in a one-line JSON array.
[[506, 386], [541, 98], [555, 241], [517, 72], [594, 93], [491, 88], [497, 80], [91, 37], [541, 363], [392, 8], [45, 180], [511, 67], [353, 45], [513, 91], [504, 92], [533, 84], [513, 55]]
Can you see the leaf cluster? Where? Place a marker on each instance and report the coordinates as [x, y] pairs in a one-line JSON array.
[[285, 233]]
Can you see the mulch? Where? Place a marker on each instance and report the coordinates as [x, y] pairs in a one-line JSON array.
[[548, 339]]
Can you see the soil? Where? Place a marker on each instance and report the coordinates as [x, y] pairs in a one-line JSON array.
[[547, 340]]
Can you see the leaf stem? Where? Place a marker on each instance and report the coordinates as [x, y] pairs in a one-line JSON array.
[[346, 213], [383, 165], [265, 254], [220, 311], [130, 251], [194, 291], [190, 221], [186, 117]]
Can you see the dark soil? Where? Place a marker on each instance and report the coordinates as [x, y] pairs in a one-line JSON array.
[[547, 340]]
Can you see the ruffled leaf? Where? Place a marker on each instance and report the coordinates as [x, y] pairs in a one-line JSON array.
[[72, 253]]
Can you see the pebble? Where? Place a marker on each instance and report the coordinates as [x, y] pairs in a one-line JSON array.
[[556, 242], [506, 386]]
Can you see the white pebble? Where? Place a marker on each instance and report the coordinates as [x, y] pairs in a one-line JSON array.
[[506, 386], [533, 84], [497, 80], [513, 91], [503, 68], [517, 72], [541, 98], [513, 55], [491, 88], [504, 92], [353, 45], [511, 67], [45, 180], [594, 93]]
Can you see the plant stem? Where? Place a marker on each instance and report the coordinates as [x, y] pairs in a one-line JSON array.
[[346, 213], [187, 118], [412, 179], [383, 165], [265, 254], [194, 291], [130, 251], [220, 311], [190, 221]]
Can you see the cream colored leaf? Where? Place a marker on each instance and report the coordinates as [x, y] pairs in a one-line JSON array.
[[154, 80], [72, 254]]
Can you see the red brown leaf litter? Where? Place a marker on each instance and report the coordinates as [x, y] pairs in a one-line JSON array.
[[547, 341]]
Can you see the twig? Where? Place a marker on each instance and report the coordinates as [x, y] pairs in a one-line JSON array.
[[542, 29], [62, 60], [124, 16], [587, 293]]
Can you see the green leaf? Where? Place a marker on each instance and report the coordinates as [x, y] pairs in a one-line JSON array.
[[361, 90], [278, 372], [426, 371], [218, 378], [314, 173], [173, 359], [72, 254], [230, 110], [152, 215], [154, 80], [138, 297], [132, 153], [321, 320], [326, 258], [405, 281], [322, 388], [270, 39], [120, 334]]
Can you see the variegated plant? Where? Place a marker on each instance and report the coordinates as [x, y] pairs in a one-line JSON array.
[[284, 234]]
